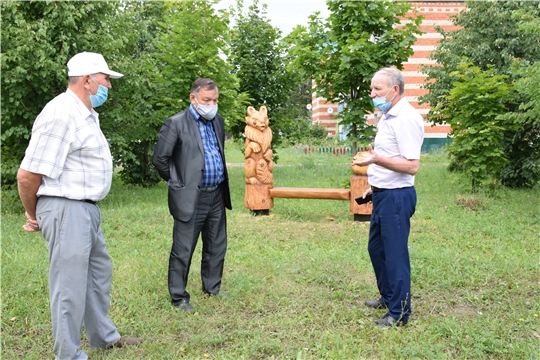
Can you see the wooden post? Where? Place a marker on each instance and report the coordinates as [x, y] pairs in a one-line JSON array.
[[359, 184], [257, 197]]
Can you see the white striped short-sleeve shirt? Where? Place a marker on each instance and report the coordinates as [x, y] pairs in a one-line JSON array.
[[69, 149]]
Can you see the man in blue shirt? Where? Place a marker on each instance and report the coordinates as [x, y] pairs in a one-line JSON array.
[[189, 155]]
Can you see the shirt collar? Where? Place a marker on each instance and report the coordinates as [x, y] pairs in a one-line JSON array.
[[82, 108], [194, 112], [396, 108]]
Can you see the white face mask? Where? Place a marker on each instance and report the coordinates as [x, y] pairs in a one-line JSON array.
[[208, 112]]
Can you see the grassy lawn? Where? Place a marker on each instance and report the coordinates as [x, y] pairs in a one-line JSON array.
[[298, 278]]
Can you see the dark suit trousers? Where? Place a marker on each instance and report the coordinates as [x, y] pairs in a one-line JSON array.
[[209, 219], [388, 247]]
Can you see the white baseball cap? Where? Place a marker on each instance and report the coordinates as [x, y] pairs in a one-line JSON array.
[[87, 63]]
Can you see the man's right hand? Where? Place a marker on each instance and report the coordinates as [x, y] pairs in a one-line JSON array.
[[31, 224]]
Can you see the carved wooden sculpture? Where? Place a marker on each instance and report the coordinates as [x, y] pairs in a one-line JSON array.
[[258, 164], [260, 191]]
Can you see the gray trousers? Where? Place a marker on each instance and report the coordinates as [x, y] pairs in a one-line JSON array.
[[209, 219], [80, 275]]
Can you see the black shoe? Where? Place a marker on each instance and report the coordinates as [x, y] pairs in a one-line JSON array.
[[388, 321], [184, 305], [376, 304]]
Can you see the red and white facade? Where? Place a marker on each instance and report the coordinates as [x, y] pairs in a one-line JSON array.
[[435, 13]]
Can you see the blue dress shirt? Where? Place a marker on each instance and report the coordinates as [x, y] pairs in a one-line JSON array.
[[213, 163]]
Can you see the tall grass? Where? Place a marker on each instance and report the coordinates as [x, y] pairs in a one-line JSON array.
[[298, 278]]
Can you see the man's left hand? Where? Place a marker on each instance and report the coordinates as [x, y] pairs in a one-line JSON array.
[[370, 159]]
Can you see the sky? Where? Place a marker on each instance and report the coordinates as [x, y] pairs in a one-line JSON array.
[[285, 14]]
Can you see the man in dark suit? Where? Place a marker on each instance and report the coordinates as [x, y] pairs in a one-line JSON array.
[[189, 155]]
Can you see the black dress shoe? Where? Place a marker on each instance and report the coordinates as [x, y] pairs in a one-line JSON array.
[[388, 321], [376, 304], [184, 305]]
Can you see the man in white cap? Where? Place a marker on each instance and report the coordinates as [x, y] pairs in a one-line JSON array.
[[66, 170]]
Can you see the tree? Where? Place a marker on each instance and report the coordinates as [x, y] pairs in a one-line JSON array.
[[342, 53], [498, 37], [160, 47], [300, 97], [38, 39], [194, 44], [130, 121], [177, 42], [259, 61]]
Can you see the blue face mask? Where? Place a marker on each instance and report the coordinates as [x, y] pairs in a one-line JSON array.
[[381, 103], [101, 96]]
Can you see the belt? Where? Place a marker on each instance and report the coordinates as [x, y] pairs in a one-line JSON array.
[[376, 189], [208, 188], [90, 201]]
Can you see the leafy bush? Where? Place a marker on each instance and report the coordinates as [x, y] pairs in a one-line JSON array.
[[11, 203], [303, 131], [472, 109], [505, 35]]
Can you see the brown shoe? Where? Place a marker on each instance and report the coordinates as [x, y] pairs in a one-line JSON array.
[[125, 341]]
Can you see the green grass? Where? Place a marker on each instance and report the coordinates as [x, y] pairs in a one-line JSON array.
[[298, 280]]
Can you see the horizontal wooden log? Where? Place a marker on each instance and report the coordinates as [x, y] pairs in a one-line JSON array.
[[310, 193]]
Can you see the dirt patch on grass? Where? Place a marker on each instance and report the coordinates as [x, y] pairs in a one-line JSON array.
[[463, 310], [470, 203]]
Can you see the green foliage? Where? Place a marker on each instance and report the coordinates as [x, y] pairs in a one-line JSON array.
[[190, 46], [343, 53], [38, 39], [175, 43], [301, 96], [131, 123], [259, 61], [34, 55], [160, 47], [303, 131], [498, 37], [471, 109], [523, 144], [11, 203]]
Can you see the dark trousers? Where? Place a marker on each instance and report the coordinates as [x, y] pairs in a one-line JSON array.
[[209, 219], [388, 247]]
